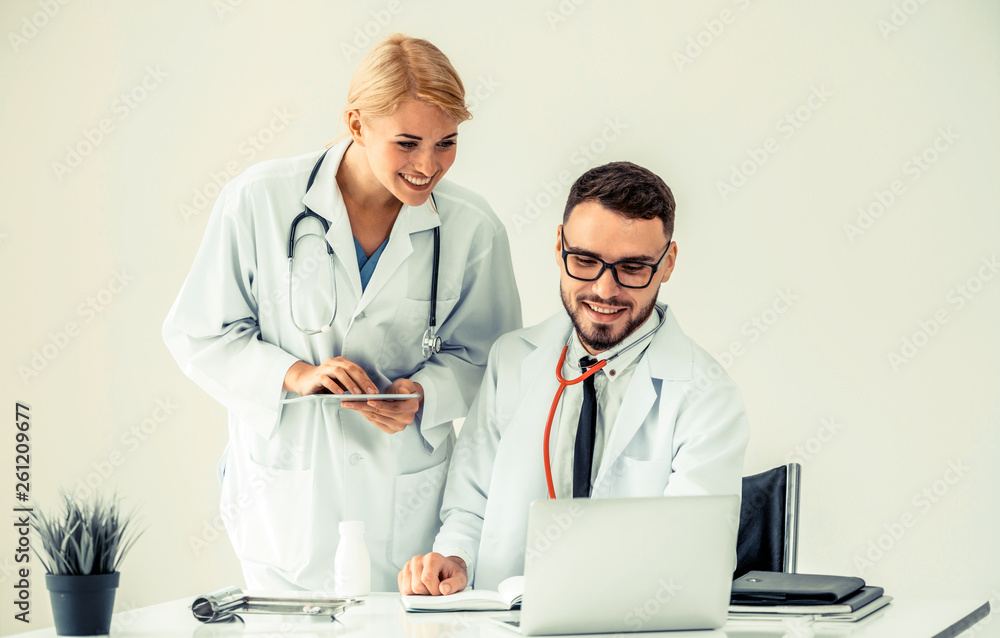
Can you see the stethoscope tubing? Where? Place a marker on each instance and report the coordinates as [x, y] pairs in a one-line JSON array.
[[563, 384], [430, 344]]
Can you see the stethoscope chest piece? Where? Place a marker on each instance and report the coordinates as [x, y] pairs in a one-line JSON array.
[[431, 344]]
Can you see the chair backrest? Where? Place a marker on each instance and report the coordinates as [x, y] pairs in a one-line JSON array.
[[769, 514]]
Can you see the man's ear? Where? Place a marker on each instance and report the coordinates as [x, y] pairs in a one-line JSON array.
[[669, 261], [559, 244]]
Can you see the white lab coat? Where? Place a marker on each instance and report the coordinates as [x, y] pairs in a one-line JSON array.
[[682, 430], [294, 471]]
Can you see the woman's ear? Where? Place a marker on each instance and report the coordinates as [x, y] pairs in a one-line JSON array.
[[355, 126]]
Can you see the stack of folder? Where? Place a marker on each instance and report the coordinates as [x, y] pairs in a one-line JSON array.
[[761, 594]]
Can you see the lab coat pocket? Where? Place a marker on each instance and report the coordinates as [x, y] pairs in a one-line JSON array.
[[417, 511], [401, 353], [268, 514], [634, 477]]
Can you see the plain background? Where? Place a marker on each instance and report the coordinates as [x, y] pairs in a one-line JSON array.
[[783, 270]]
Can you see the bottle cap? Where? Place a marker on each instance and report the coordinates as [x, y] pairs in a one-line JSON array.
[[352, 527]]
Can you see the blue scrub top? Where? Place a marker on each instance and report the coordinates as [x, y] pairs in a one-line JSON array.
[[367, 264]]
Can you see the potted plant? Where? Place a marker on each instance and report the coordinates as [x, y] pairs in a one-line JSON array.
[[82, 545]]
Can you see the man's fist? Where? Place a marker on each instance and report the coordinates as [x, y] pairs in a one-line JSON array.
[[433, 575]]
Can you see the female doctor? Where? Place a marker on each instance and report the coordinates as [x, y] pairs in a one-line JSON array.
[[348, 312]]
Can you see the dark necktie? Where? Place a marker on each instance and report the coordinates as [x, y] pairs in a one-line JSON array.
[[583, 454]]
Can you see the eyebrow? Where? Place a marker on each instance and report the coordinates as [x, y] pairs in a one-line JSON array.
[[420, 139], [580, 251]]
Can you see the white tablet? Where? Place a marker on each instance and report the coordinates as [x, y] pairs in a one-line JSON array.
[[351, 397]]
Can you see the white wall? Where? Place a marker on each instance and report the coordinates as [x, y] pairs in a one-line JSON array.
[[607, 77]]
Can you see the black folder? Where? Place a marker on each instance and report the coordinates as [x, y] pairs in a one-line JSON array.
[[779, 588]]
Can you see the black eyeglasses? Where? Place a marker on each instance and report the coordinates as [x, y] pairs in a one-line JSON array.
[[628, 274]]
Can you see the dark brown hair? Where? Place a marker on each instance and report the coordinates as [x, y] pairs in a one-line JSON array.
[[627, 189]]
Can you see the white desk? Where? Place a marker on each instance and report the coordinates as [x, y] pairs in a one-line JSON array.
[[383, 616]]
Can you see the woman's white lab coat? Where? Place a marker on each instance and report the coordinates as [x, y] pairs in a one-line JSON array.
[[294, 471]]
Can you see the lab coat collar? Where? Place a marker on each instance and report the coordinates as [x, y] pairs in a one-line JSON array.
[[628, 354], [669, 355], [324, 197]]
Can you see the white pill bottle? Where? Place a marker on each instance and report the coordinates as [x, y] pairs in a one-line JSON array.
[[352, 570]]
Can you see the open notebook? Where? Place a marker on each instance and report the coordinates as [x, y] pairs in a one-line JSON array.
[[507, 596]]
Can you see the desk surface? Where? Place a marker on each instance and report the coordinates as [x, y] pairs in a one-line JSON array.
[[383, 616]]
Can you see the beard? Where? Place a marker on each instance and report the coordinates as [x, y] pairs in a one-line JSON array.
[[600, 337]]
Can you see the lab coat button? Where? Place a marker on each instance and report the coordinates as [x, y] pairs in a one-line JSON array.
[[355, 458], [360, 316]]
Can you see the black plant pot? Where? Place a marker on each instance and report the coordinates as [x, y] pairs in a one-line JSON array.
[[82, 605]]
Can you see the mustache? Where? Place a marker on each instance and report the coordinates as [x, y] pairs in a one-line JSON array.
[[613, 301]]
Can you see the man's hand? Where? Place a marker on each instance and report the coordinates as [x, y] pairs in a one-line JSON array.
[[434, 575], [391, 416], [336, 376]]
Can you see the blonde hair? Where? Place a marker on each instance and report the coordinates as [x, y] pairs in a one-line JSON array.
[[402, 68]]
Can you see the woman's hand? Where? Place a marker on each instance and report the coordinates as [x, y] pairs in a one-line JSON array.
[[391, 416], [335, 376]]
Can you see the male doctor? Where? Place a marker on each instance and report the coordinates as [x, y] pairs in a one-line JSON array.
[[659, 418]]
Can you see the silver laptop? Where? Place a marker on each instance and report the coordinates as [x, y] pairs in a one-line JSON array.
[[631, 564]]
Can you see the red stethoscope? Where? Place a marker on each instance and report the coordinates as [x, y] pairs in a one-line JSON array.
[[564, 383]]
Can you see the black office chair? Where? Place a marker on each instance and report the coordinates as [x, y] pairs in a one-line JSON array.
[[769, 521]]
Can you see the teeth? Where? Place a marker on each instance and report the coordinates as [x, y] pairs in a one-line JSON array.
[[602, 311], [417, 182]]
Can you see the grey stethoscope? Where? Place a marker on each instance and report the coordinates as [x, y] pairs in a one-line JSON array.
[[431, 342]]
